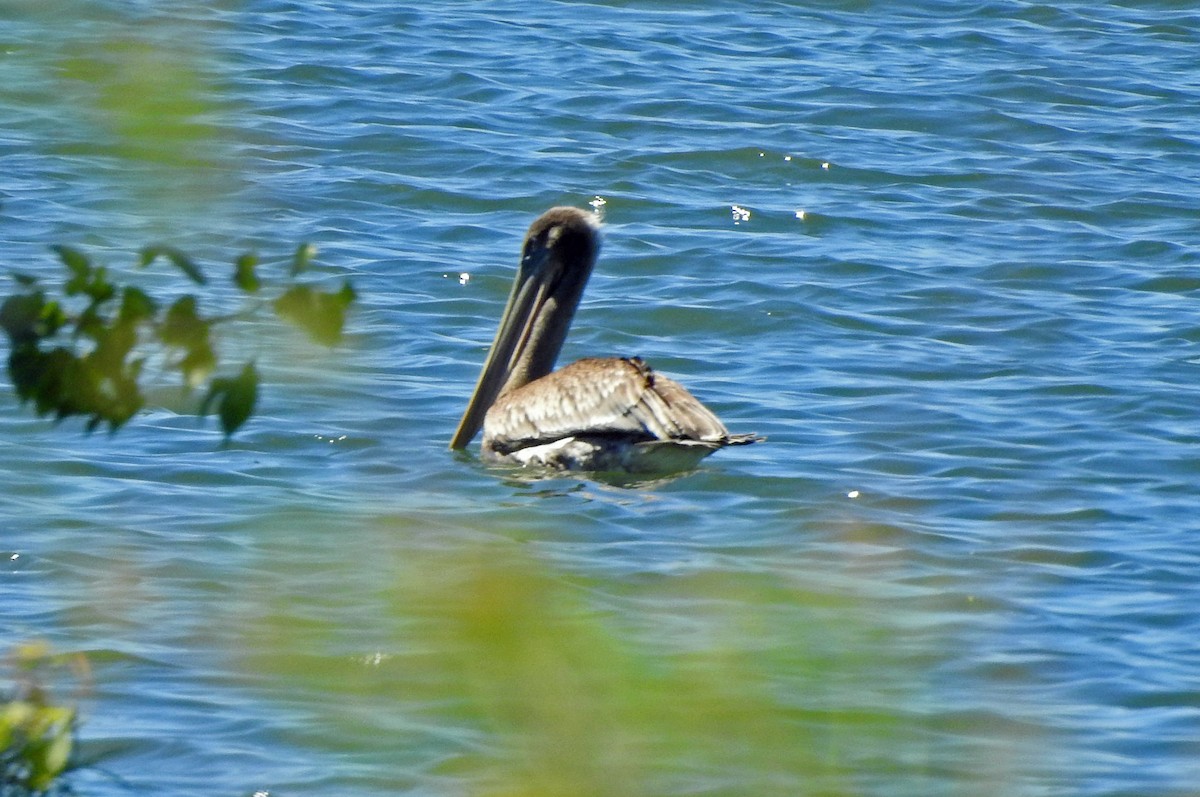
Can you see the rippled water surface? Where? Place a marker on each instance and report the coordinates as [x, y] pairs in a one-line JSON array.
[[946, 256]]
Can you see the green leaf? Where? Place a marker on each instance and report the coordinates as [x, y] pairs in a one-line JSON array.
[[321, 315], [98, 288], [53, 318], [303, 257], [113, 345], [136, 305], [56, 751], [53, 380], [198, 363], [91, 324], [244, 276], [81, 272], [178, 258], [19, 317], [182, 326], [28, 317], [236, 397], [75, 261], [25, 368], [92, 281]]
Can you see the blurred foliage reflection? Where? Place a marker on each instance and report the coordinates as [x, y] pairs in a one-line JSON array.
[[551, 685]]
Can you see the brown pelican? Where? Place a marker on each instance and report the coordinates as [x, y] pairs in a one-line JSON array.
[[599, 414]]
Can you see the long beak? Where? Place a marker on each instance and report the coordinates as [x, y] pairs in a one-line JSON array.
[[526, 303]]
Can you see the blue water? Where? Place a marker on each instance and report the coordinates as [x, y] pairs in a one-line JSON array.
[[945, 256]]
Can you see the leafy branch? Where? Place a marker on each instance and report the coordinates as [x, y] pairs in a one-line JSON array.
[[37, 733], [83, 352]]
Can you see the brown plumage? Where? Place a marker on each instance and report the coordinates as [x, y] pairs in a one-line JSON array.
[[595, 414]]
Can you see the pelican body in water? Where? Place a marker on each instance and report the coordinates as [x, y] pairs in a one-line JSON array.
[[597, 414]]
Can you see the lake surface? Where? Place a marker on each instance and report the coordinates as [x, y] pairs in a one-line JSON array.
[[945, 256]]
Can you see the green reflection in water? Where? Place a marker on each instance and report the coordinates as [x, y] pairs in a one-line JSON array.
[[137, 102], [496, 671]]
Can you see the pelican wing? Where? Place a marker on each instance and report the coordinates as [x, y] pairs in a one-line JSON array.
[[604, 396]]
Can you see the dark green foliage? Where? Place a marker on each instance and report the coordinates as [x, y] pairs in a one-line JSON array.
[[235, 398], [84, 353], [93, 374], [28, 316], [244, 276], [179, 259]]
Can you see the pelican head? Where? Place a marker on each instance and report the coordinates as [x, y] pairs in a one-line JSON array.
[[556, 260]]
